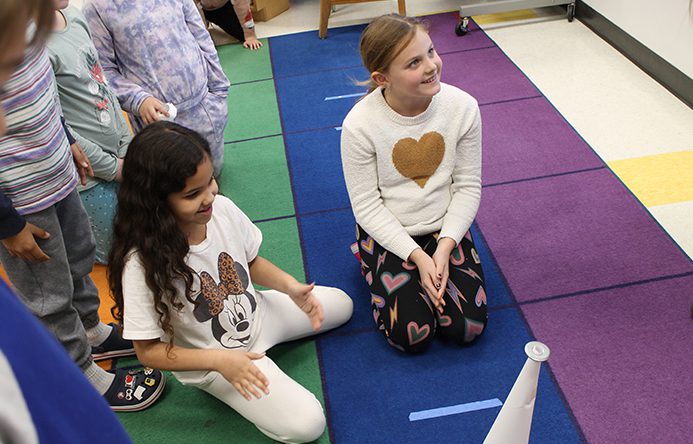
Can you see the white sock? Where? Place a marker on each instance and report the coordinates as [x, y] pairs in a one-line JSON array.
[[96, 335], [99, 378]]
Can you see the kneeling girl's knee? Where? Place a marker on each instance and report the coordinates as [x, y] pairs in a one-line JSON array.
[[412, 336], [464, 332]]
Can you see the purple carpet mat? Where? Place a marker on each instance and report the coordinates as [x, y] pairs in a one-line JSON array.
[[529, 138], [624, 359], [572, 233], [442, 31], [561, 225], [487, 74]]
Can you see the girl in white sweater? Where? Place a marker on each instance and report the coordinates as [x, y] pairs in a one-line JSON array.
[[411, 153]]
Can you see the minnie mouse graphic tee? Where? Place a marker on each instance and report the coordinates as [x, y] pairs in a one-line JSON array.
[[226, 312]]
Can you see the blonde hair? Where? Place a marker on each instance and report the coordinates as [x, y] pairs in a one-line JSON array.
[[40, 12], [383, 40]]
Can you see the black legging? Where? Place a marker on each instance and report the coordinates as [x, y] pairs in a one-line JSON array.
[[226, 18], [401, 309]]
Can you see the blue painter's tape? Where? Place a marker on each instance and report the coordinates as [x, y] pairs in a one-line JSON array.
[[346, 96], [455, 409]]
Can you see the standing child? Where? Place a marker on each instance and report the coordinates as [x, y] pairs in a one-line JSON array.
[[411, 153], [182, 269], [47, 245], [93, 116], [158, 51], [35, 406]]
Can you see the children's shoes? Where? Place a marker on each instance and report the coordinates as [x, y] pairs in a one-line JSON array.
[[135, 389], [114, 346]]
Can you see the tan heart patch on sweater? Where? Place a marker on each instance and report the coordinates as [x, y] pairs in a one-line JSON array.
[[418, 160]]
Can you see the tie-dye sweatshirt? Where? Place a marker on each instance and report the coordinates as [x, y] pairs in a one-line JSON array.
[[410, 176], [156, 48]]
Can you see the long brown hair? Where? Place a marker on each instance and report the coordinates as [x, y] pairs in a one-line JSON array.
[[160, 159], [382, 41], [14, 15]]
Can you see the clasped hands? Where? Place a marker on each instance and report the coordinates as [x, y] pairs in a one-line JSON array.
[[435, 270]]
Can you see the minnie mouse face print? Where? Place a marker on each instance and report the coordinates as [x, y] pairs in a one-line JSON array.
[[227, 304]]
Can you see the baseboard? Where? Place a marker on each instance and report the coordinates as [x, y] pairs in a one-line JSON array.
[[678, 83]]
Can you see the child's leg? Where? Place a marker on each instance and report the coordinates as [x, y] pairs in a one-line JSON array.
[[79, 248], [100, 203], [209, 119], [226, 18], [465, 313], [401, 309], [290, 413], [47, 288], [283, 321]]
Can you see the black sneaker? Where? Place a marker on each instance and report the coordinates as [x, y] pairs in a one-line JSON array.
[[114, 346], [135, 389]]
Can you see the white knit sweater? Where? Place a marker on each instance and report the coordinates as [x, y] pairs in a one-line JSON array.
[[410, 176]]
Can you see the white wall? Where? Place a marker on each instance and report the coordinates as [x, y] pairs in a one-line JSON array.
[[664, 26]]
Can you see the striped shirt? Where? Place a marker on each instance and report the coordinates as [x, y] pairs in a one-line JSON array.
[[36, 166]]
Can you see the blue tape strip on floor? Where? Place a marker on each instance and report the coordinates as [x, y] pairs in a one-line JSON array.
[[345, 96], [455, 409]]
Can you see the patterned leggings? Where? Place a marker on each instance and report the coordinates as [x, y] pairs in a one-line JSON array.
[[401, 308], [101, 201]]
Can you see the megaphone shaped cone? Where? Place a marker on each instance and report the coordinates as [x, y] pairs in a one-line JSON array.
[[513, 423]]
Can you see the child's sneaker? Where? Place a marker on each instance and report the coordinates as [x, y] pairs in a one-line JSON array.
[[135, 389], [113, 347]]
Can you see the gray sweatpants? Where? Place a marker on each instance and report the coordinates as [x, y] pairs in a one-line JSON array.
[[59, 291]]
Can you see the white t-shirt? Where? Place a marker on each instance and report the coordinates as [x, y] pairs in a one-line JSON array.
[[227, 309]]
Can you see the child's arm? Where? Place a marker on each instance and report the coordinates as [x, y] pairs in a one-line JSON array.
[[103, 164], [217, 82], [361, 177], [81, 160], [245, 16], [236, 366], [130, 95], [267, 274], [466, 181], [18, 235], [466, 195]]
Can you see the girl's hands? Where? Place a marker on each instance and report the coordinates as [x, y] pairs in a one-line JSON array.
[[82, 163], [429, 277], [151, 109], [252, 43], [238, 368], [23, 244], [302, 295], [441, 259], [119, 170]]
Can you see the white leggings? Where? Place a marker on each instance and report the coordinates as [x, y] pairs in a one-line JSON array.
[[290, 413]]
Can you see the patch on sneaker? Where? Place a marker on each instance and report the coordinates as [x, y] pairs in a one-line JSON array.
[[139, 392]]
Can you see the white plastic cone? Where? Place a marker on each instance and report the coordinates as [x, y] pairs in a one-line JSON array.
[[513, 423]]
